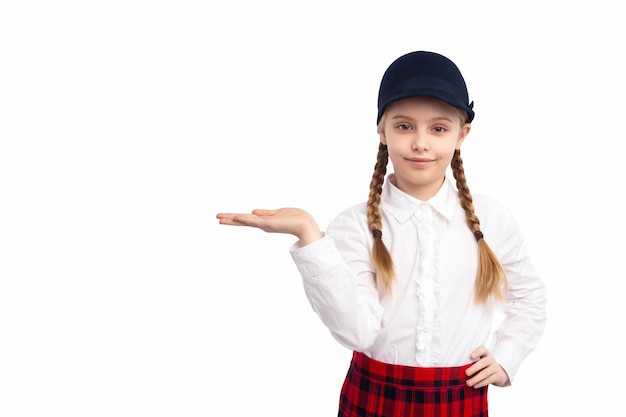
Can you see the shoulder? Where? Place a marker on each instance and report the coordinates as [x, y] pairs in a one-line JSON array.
[[350, 224], [355, 214], [499, 225], [495, 215], [490, 207]]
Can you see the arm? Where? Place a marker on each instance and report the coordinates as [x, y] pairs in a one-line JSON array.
[[337, 273], [339, 281], [524, 313]]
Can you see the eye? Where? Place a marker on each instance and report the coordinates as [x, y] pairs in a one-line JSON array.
[[404, 126], [439, 129]]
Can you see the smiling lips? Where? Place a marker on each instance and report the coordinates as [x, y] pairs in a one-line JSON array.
[[420, 162]]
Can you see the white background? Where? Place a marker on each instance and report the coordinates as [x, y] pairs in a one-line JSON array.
[[125, 126]]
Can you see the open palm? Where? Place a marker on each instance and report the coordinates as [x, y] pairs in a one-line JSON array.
[[288, 220]]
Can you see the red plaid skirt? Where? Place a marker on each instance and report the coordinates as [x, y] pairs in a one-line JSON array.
[[378, 389]]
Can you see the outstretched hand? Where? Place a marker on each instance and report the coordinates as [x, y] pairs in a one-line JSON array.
[[485, 370], [284, 220]]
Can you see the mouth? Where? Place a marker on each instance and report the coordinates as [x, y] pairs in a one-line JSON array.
[[420, 162]]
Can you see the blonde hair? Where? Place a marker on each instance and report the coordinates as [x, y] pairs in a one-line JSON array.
[[490, 275]]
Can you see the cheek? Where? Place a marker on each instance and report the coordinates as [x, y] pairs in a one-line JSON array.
[[394, 149], [393, 154], [447, 153]]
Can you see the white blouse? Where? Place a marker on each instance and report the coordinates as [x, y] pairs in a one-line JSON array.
[[430, 318]]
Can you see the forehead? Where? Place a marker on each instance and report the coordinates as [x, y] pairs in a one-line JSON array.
[[421, 104]]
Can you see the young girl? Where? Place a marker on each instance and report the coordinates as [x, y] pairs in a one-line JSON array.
[[411, 280]]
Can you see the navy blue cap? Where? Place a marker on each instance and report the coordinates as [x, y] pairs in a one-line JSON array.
[[423, 73]]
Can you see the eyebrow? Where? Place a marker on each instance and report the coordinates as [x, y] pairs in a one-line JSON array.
[[434, 119]]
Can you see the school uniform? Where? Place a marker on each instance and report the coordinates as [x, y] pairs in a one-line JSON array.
[[412, 345]]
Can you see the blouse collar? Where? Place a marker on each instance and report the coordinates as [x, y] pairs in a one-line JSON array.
[[402, 206]]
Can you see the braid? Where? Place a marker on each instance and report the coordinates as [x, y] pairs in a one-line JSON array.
[[380, 254], [490, 275], [464, 194]]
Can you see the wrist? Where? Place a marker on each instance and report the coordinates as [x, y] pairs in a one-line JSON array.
[[309, 234]]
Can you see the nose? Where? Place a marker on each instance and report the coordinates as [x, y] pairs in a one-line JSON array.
[[420, 142]]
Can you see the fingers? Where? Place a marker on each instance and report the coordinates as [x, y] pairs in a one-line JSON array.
[[238, 219], [483, 377], [480, 364], [479, 370], [486, 370], [262, 212], [288, 220], [273, 221], [493, 374], [479, 352]]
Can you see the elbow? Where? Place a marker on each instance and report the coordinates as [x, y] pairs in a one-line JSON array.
[[359, 337]]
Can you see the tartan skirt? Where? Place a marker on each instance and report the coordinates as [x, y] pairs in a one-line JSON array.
[[378, 389]]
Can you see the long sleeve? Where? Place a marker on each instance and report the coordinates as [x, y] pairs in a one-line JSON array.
[[340, 286], [525, 310]]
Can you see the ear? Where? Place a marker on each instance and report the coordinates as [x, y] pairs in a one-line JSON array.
[[383, 138], [463, 134]]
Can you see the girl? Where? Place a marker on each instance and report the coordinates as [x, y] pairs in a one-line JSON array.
[[411, 280]]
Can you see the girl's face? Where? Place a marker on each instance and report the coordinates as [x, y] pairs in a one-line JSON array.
[[421, 134]]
